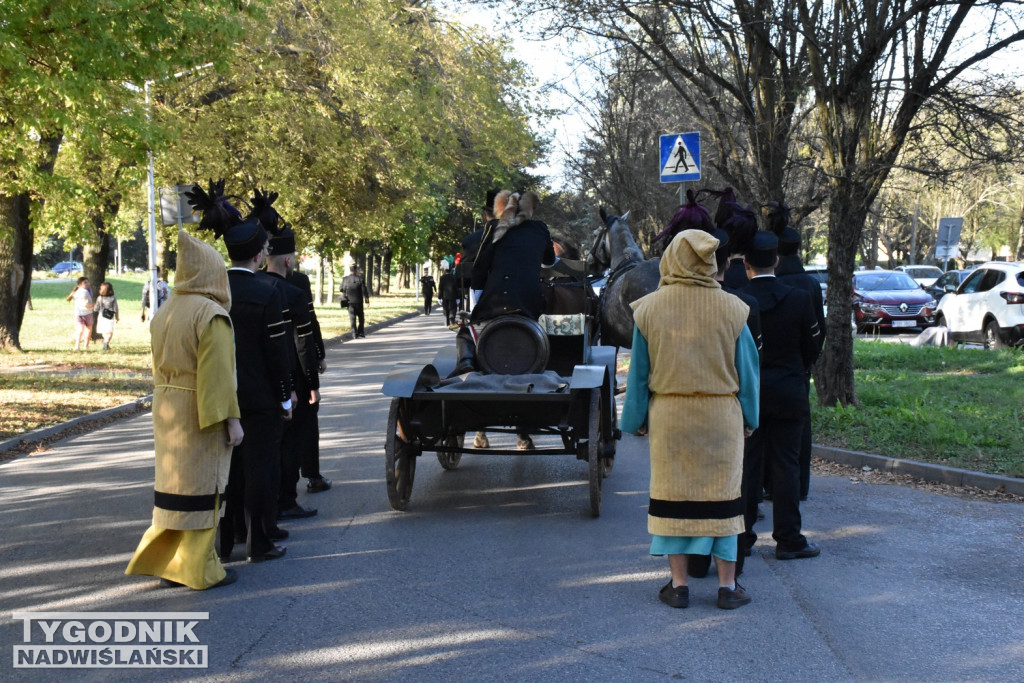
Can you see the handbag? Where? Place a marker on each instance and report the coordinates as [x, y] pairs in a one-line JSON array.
[[108, 313], [344, 301]]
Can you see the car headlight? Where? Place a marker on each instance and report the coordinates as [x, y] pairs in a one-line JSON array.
[[870, 308]]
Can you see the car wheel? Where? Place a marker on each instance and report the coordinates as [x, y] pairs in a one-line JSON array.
[[992, 338]]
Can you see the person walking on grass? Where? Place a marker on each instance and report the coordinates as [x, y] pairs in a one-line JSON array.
[[81, 295], [106, 314]]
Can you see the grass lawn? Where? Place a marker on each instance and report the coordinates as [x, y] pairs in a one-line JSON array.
[[49, 383], [959, 407]]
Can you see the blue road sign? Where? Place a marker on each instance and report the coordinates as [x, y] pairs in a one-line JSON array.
[[680, 157]]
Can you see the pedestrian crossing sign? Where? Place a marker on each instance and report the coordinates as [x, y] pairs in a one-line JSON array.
[[680, 157]]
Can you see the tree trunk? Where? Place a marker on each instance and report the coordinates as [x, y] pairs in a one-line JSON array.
[[848, 209], [15, 265], [385, 285]]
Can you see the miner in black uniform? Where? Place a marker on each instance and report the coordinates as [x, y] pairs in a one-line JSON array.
[[304, 371], [310, 457], [264, 396], [353, 290], [790, 271], [790, 346]]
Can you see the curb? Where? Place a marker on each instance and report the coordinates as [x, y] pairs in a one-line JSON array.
[[922, 470], [55, 432]]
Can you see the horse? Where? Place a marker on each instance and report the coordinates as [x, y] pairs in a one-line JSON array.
[[631, 276]]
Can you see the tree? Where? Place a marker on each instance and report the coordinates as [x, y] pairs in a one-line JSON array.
[[65, 67], [875, 68]]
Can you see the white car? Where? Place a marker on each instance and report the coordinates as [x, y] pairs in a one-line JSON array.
[[987, 307], [922, 275]]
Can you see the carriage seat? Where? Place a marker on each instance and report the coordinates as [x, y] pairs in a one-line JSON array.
[[563, 325]]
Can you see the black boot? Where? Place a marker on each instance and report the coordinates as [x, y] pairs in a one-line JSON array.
[[466, 349]]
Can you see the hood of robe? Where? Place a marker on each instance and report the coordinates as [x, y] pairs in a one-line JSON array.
[[690, 260], [201, 270]]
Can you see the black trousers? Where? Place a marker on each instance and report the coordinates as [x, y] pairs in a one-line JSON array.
[[355, 318], [805, 460], [428, 303], [251, 495], [295, 436], [309, 459], [451, 306], [779, 440]]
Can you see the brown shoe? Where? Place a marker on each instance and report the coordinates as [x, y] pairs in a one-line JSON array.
[[731, 599]]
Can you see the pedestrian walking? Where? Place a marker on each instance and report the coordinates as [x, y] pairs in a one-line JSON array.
[[427, 286], [81, 295], [353, 295], [107, 313]]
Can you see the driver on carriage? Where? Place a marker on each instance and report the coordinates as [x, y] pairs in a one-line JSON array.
[[507, 270]]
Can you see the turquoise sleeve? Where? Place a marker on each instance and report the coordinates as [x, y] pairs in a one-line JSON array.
[[634, 409], [749, 371]]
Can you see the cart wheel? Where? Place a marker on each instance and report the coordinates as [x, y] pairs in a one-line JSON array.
[[608, 447], [399, 460], [594, 458], [450, 459]]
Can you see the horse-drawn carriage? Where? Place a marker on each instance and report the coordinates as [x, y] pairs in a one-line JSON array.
[[541, 377]]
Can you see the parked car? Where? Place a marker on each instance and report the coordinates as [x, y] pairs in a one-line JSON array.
[[949, 281], [922, 275], [890, 299], [67, 267], [987, 307], [820, 273]]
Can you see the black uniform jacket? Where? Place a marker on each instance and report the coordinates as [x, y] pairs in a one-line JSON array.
[[510, 270], [789, 332], [301, 280], [305, 366], [261, 350], [448, 287], [736, 274], [791, 272], [354, 289], [753, 315]]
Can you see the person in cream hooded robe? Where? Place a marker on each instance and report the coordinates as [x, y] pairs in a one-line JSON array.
[[195, 422]]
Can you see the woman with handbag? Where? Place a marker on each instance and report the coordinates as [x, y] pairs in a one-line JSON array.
[[106, 313]]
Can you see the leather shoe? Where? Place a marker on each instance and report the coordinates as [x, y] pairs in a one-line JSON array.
[[809, 550], [277, 534], [318, 484], [275, 553], [731, 599], [229, 578], [675, 597], [296, 512]]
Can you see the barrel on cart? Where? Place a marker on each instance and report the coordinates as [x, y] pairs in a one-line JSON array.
[[538, 377]]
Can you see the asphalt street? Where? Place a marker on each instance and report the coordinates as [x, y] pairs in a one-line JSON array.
[[498, 572]]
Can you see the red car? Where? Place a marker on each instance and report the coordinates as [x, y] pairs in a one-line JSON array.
[[890, 299]]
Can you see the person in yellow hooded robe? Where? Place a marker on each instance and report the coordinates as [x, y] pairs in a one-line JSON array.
[[195, 422], [694, 381]]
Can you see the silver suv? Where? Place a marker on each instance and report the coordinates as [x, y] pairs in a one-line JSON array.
[[987, 307]]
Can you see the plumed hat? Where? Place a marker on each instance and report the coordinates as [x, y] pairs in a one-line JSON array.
[[245, 240], [741, 226], [219, 214], [726, 205], [723, 251], [283, 242], [691, 216], [263, 210], [763, 250]]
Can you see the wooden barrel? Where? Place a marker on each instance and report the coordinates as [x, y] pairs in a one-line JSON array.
[[512, 345]]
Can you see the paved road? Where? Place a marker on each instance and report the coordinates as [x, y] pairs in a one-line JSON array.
[[498, 572]]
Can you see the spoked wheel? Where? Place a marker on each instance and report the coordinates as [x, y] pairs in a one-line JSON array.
[[450, 459], [399, 459], [608, 447], [594, 458], [992, 338]]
